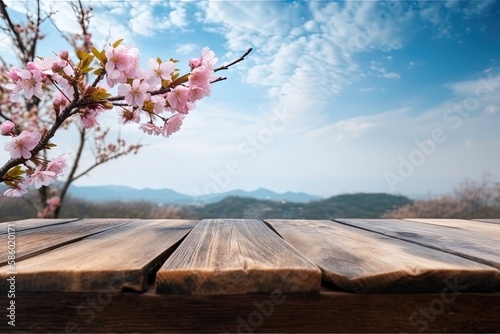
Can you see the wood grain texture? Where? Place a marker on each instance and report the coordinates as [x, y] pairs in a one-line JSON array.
[[486, 220], [463, 224], [122, 257], [478, 245], [229, 256], [362, 261], [27, 224], [254, 313], [34, 241]]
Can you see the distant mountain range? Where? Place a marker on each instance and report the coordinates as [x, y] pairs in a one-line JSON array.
[[168, 196]]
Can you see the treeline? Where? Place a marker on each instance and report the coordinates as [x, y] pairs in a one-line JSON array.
[[359, 205], [15, 209], [471, 199]]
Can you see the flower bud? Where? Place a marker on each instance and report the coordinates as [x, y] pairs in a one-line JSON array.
[[7, 128], [107, 104], [194, 62], [64, 54], [31, 66]]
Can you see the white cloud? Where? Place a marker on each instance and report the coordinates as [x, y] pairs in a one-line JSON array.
[[185, 49], [371, 89], [391, 75], [382, 72], [343, 130], [305, 52]]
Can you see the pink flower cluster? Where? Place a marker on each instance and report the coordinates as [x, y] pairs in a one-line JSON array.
[[30, 81], [179, 100], [52, 204], [21, 145], [157, 94]]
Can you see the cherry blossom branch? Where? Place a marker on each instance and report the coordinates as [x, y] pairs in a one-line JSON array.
[[148, 93], [41, 145]]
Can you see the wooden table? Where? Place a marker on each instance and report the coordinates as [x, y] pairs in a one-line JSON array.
[[227, 275]]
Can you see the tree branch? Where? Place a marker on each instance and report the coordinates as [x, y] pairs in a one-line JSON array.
[[11, 30], [225, 67]]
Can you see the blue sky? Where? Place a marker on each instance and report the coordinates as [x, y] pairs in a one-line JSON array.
[[398, 97]]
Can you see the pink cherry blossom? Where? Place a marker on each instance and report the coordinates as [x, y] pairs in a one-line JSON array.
[[158, 72], [208, 58], [128, 116], [172, 125], [13, 74], [21, 145], [198, 92], [201, 76], [29, 81], [52, 204], [134, 94], [58, 165], [32, 83], [150, 129], [7, 128], [43, 65], [88, 118], [178, 99], [54, 201], [17, 190], [158, 103], [41, 177], [194, 63], [122, 63]]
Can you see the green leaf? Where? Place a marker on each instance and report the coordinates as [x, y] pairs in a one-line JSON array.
[[86, 69], [165, 83], [99, 94], [14, 174], [86, 61], [115, 44], [149, 107], [80, 54], [98, 54]]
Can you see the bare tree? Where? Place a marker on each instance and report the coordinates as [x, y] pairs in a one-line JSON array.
[[471, 199]]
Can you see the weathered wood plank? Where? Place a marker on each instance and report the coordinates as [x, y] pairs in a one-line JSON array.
[[479, 246], [331, 312], [463, 224], [27, 224], [122, 257], [487, 220], [34, 241], [229, 256], [362, 261]]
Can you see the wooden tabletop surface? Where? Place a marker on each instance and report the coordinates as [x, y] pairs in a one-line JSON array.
[[232, 259]]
